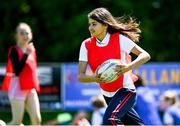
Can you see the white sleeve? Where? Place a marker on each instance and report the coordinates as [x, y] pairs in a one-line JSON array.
[[168, 119], [126, 44], [96, 119], [83, 52]]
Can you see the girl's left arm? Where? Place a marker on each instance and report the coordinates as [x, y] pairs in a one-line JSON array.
[[142, 57]]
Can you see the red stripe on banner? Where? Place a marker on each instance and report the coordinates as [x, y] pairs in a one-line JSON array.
[[122, 103]]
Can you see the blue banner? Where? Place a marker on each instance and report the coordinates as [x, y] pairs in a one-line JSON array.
[[160, 77], [157, 76], [76, 95]]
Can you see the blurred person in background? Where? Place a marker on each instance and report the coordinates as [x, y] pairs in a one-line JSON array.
[[81, 119], [106, 33], [169, 103], [21, 79], [146, 105], [99, 107], [64, 118]]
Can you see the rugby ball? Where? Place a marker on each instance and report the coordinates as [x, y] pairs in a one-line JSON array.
[[107, 70]]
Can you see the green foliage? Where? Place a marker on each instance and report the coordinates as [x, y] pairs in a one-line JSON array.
[[60, 26]]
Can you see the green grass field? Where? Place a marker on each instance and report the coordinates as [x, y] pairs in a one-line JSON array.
[[46, 116]]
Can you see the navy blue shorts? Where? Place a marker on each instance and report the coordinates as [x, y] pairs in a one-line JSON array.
[[120, 109]]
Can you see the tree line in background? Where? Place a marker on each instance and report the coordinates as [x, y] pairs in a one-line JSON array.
[[59, 26]]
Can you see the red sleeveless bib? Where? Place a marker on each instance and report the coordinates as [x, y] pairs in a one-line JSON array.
[[28, 77], [97, 55]]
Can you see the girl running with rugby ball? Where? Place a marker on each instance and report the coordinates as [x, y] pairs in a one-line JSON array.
[[113, 38]]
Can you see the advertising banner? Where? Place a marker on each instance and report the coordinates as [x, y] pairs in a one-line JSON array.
[[157, 76], [49, 96], [76, 95], [160, 77]]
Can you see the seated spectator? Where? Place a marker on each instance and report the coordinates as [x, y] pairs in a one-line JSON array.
[[146, 105], [81, 119], [169, 101]]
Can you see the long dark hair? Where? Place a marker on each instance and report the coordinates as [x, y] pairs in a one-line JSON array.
[[125, 25]]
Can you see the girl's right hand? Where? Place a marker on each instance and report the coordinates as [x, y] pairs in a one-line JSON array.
[[99, 79], [30, 48]]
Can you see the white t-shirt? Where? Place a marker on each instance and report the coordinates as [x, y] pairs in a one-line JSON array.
[[168, 119], [97, 117], [126, 45]]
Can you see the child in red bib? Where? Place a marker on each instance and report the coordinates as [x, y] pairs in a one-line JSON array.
[[113, 39], [21, 80]]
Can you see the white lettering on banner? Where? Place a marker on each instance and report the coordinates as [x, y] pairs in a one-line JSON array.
[[90, 92], [77, 103], [164, 76]]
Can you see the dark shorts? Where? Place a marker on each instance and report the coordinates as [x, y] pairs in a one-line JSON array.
[[120, 109]]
